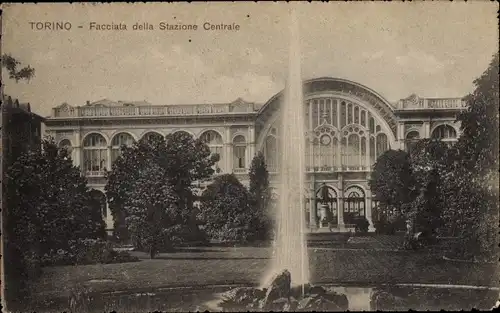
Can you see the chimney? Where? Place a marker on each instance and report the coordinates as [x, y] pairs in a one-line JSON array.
[[88, 102]]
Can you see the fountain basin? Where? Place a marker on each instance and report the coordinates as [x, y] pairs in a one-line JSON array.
[[360, 297]]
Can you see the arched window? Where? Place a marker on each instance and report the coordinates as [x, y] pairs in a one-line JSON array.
[[326, 198], [354, 204], [445, 133], [66, 144], [239, 152], [95, 155], [118, 141], [382, 144], [151, 135], [98, 202], [214, 142], [182, 131], [271, 153], [411, 140], [354, 147]]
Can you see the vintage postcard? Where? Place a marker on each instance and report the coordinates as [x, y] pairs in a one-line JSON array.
[[250, 156]]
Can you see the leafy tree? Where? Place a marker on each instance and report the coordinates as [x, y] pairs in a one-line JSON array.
[[473, 193], [430, 162], [181, 159], [391, 180], [260, 194], [120, 181], [11, 64], [478, 143], [48, 208], [226, 210], [151, 210]]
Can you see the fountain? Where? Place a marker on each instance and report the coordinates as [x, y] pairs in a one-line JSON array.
[[290, 242], [286, 286]]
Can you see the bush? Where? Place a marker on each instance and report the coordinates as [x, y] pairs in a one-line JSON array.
[[361, 225], [384, 227], [87, 251]]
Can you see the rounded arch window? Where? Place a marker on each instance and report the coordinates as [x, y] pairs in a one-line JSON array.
[[444, 132], [354, 205], [411, 140], [214, 142], [95, 155], [119, 140], [150, 136], [182, 132], [239, 152], [66, 144]]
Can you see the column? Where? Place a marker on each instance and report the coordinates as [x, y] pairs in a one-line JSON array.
[[368, 210], [427, 129], [227, 167], [340, 207], [251, 145], [108, 157], [368, 161], [77, 151], [401, 136], [312, 205]]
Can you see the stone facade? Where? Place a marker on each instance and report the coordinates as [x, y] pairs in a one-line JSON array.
[[348, 126]]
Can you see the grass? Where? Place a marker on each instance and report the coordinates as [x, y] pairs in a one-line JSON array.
[[246, 265]]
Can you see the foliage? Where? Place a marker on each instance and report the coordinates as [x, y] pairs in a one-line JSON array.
[[152, 214], [86, 251], [169, 169], [472, 196], [478, 144], [226, 210], [361, 225], [12, 66], [391, 180], [260, 194], [49, 205], [430, 162]]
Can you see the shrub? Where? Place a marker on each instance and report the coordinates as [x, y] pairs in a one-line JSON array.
[[361, 225], [87, 251]]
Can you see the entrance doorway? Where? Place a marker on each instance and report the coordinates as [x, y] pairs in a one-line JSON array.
[[326, 206], [354, 205]]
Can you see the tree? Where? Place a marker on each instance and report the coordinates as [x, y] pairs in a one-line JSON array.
[[49, 209], [152, 215], [478, 144], [391, 180], [181, 159], [12, 65], [260, 194], [120, 181], [473, 194], [430, 162], [226, 210]]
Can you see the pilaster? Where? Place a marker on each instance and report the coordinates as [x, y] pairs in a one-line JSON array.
[[401, 135], [312, 205], [108, 158], [427, 129], [368, 210], [251, 145], [340, 213], [227, 167], [77, 150]]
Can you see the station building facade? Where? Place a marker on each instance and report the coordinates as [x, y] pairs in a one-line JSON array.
[[348, 126]]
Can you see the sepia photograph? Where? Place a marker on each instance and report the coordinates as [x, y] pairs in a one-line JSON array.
[[250, 156]]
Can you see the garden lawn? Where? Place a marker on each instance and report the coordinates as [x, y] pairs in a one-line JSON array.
[[246, 265]]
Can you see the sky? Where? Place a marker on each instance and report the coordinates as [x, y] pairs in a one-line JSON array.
[[432, 49]]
